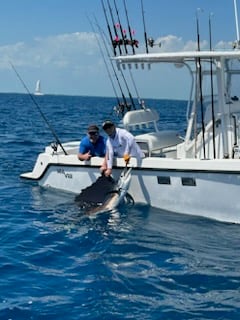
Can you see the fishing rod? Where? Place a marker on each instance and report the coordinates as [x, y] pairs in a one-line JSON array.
[[135, 87], [38, 108], [129, 93], [111, 62], [144, 27], [121, 29], [105, 62], [129, 28], [115, 73], [212, 96], [200, 87], [109, 29], [117, 40], [126, 51]]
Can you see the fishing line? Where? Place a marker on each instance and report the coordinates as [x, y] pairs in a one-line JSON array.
[[38, 108]]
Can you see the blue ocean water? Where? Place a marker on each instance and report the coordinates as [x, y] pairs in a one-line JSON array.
[[136, 263]]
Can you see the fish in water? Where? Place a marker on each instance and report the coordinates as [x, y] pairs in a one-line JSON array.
[[113, 193]]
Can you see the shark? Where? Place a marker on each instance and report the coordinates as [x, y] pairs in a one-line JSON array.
[[105, 194]]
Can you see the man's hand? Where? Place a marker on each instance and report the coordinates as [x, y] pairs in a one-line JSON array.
[[108, 172], [103, 168], [87, 156], [126, 158]]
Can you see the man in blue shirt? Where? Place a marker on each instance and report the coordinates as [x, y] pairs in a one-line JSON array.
[[93, 145]]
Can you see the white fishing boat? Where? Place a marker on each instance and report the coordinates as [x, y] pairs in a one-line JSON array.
[[38, 91], [198, 174]]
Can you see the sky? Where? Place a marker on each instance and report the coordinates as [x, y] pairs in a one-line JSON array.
[[55, 41]]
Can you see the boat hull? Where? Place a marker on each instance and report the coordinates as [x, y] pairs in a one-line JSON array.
[[190, 186]]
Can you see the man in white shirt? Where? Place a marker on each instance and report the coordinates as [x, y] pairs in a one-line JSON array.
[[120, 143]]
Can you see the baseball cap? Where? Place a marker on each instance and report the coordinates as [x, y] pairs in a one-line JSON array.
[[93, 128], [107, 124]]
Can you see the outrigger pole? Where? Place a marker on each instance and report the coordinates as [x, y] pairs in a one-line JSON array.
[[39, 109]]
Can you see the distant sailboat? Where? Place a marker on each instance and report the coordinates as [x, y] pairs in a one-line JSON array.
[[38, 89]]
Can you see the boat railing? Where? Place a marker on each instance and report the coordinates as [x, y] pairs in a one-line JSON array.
[[194, 147]]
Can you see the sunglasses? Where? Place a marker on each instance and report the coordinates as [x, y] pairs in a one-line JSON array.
[[93, 133]]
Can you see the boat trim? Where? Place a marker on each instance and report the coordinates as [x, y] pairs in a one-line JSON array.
[[147, 169]]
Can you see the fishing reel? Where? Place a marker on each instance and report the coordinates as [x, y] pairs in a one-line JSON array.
[[120, 42], [122, 108], [236, 44], [151, 43], [54, 146]]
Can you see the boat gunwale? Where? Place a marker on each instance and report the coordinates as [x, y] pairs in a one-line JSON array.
[[137, 168]]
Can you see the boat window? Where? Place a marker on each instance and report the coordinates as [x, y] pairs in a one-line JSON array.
[[163, 180], [186, 181]]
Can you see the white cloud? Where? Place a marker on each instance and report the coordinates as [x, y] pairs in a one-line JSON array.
[[72, 63], [60, 61], [224, 45], [61, 51]]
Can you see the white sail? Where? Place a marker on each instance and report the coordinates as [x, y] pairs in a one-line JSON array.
[[38, 89]]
